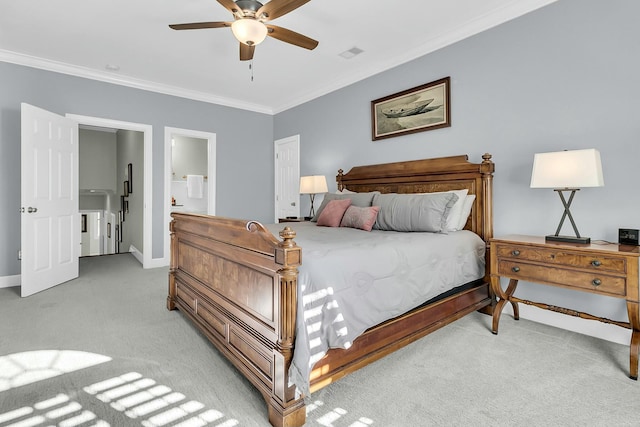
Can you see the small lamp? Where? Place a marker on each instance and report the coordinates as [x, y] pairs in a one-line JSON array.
[[313, 185], [567, 171]]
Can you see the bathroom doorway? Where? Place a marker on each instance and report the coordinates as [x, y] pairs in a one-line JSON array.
[[190, 174]]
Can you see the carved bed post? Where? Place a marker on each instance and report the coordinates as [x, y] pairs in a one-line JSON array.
[[339, 180], [487, 168], [173, 264], [285, 409]]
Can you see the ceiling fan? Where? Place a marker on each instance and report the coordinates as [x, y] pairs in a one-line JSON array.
[[249, 24]]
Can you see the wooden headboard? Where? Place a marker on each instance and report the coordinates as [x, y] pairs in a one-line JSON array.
[[428, 176]]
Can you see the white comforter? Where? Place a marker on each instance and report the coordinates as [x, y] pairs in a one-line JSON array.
[[351, 280]]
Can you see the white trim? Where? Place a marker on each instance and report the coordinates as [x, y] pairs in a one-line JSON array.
[[494, 18], [9, 281], [169, 132], [88, 73], [137, 254], [147, 130]]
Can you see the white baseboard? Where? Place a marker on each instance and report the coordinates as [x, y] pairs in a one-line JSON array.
[[136, 254], [153, 263], [157, 262], [9, 281], [591, 328]]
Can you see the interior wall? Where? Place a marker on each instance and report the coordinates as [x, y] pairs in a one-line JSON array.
[[562, 77], [97, 158], [130, 149], [238, 132]]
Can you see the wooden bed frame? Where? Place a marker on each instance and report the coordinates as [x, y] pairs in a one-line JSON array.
[[237, 283]]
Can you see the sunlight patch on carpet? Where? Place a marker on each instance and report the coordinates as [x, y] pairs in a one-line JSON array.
[[60, 410], [19, 369], [156, 405], [335, 415]]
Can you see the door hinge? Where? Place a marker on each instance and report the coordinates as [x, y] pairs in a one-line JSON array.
[[19, 255]]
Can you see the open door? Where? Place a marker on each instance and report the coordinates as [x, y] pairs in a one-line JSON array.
[[49, 190], [287, 177]]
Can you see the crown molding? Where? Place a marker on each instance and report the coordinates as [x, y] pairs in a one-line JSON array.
[[512, 10], [87, 73]]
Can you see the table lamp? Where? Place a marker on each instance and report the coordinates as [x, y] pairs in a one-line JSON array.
[[313, 185], [567, 171]]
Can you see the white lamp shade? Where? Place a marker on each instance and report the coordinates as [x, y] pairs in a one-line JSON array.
[[567, 169], [249, 31], [313, 184]]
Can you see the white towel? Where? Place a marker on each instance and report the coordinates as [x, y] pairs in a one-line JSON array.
[[195, 183]]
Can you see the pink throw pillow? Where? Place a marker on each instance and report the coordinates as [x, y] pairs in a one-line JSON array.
[[362, 218], [332, 213]]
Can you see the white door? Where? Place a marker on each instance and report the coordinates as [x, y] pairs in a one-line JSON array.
[[50, 219], [287, 179]]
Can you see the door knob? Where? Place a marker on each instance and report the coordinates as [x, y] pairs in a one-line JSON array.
[[32, 210], [293, 203]]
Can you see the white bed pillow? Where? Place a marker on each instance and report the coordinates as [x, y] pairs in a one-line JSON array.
[[345, 191], [455, 213], [466, 210]]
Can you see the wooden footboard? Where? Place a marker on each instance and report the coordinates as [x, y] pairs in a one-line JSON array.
[[237, 283]]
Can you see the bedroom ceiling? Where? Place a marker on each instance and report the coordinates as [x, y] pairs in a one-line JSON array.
[[129, 42]]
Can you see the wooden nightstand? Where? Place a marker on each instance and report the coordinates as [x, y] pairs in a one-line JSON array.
[[604, 269], [280, 220]]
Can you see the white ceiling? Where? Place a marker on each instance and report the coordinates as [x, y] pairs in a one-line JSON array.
[[83, 37]]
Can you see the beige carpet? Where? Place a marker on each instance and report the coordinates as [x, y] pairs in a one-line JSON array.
[[103, 350]]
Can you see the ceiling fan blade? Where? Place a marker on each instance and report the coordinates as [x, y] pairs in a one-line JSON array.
[[291, 37], [230, 5], [277, 8], [200, 25], [246, 52]]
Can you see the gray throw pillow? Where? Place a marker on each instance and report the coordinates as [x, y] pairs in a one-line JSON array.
[[414, 212], [362, 200]]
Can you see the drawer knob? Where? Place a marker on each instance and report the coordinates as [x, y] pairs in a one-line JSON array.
[[515, 269], [515, 252], [596, 263], [596, 282]]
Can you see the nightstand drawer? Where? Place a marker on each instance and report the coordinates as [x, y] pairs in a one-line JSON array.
[[590, 281], [563, 257]]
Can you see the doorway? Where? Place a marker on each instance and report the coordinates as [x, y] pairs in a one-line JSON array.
[[143, 186], [111, 215], [192, 141], [287, 177]]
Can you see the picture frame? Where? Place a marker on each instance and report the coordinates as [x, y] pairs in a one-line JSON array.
[[130, 177], [125, 189], [421, 108], [83, 223], [122, 207]]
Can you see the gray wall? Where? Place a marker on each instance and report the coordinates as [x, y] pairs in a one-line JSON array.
[[238, 132], [189, 157], [131, 150], [562, 77], [97, 159]]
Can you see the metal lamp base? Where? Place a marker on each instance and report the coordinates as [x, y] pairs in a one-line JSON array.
[[568, 239]]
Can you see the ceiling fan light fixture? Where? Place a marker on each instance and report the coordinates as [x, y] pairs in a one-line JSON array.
[[249, 31]]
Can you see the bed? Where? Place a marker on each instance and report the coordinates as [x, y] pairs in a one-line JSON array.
[[239, 284]]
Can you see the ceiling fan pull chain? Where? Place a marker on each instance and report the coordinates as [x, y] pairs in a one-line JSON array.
[[251, 68]]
